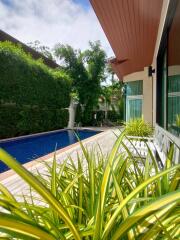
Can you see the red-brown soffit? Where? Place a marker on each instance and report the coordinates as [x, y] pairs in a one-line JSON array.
[[131, 27]]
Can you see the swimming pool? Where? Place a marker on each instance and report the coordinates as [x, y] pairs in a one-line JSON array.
[[28, 148]]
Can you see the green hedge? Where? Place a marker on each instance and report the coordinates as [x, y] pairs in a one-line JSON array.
[[113, 116], [86, 119], [18, 120], [28, 82]]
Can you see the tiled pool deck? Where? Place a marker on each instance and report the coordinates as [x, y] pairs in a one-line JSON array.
[[16, 185]]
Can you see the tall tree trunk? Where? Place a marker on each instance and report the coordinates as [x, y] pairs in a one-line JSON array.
[[72, 113]]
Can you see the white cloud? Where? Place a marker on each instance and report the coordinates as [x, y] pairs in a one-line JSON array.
[[51, 22]]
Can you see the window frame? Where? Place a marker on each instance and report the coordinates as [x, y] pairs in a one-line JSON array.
[[162, 107], [129, 97]]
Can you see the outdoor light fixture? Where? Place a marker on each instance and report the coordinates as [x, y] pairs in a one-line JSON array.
[[150, 71]]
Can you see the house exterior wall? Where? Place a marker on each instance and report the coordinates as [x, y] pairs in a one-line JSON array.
[[147, 92]]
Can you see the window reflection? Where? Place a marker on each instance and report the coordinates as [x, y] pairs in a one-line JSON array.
[[173, 118], [134, 92]]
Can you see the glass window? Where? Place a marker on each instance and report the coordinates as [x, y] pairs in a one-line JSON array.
[[161, 92], [134, 91], [173, 84], [135, 88], [134, 108]]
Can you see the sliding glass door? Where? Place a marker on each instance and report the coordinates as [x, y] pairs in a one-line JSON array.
[[173, 85], [168, 84]]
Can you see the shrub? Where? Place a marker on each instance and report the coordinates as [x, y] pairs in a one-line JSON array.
[[113, 197], [100, 115], [21, 120], [33, 88], [121, 108], [113, 116], [98, 120], [78, 114], [9, 117], [138, 127]]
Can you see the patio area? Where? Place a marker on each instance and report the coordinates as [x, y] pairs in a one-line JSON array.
[[102, 143], [16, 185]]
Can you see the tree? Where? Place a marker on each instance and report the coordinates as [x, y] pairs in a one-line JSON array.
[[110, 72], [95, 58], [111, 95], [36, 45], [86, 70], [72, 62]]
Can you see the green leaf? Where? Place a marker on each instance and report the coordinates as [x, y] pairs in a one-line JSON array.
[[143, 212], [104, 188], [13, 224], [40, 188], [131, 195]]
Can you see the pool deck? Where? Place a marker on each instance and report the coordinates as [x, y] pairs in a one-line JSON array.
[[104, 139]]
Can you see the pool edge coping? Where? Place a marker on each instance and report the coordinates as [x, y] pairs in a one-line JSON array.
[[44, 133], [35, 162]]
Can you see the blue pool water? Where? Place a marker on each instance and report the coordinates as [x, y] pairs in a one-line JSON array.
[[31, 147]]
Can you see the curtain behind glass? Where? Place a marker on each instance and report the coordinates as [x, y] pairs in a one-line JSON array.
[[134, 99]]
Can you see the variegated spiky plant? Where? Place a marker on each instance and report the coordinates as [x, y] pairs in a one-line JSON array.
[[115, 197], [138, 127]]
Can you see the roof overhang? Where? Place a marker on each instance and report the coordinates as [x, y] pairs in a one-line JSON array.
[[131, 27]]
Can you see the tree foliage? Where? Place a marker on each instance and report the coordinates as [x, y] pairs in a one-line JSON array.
[[112, 90], [86, 70], [37, 46], [111, 95]]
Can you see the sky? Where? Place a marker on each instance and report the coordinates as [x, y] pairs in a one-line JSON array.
[[70, 22]]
